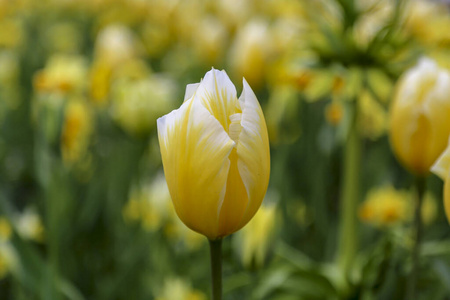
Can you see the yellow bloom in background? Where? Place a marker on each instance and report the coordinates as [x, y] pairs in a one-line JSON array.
[[115, 44], [385, 207], [373, 118], [420, 114], [442, 168], [8, 259], [177, 232], [209, 41], [136, 104], [179, 289], [149, 204], [77, 128], [215, 153], [63, 73], [334, 112], [251, 52], [255, 239]]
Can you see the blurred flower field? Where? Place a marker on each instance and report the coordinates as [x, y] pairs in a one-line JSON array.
[[356, 97]]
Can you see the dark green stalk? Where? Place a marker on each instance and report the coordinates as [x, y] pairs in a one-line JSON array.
[[215, 248], [420, 184]]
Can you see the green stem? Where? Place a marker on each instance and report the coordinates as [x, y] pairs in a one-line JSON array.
[[348, 234], [420, 184], [215, 247]]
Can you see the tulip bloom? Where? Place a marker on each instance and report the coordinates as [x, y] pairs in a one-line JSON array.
[[215, 153], [442, 169], [420, 116]]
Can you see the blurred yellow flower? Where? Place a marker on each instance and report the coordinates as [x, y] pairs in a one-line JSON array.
[[76, 130], [136, 104], [373, 118], [209, 41], [251, 52], [115, 44], [177, 232], [334, 112], [255, 239], [428, 21], [8, 259], [179, 289], [215, 153], [63, 73], [385, 206], [149, 204], [442, 168], [420, 114]]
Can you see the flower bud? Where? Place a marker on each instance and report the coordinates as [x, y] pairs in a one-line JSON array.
[[420, 114], [215, 153]]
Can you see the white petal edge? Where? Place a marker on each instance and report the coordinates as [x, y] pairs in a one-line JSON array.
[[190, 90], [254, 132], [442, 165]]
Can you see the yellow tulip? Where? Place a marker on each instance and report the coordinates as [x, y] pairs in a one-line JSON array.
[[215, 153], [420, 116], [442, 169]]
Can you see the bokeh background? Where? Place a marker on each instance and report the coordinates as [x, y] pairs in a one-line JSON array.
[[84, 209]]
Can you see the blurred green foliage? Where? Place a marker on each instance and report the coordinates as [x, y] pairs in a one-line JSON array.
[[83, 212]]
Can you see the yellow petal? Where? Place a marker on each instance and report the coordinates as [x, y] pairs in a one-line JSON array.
[[253, 152], [195, 150], [442, 165], [218, 94]]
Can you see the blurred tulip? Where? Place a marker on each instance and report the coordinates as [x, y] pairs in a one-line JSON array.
[[215, 152], [420, 114], [62, 74], [373, 118], [442, 169], [385, 206], [179, 289], [137, 104], [115, 44], [255, 239], [334, 112], [76, 130], [251, 52]]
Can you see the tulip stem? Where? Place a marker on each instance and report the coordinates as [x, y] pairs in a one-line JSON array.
[[348, 234], [215, 247], [420, 184]]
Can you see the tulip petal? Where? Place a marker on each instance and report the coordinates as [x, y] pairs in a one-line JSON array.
[[190, 91], [253, 152], [442, 165], [195, 150], [218, 94]]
